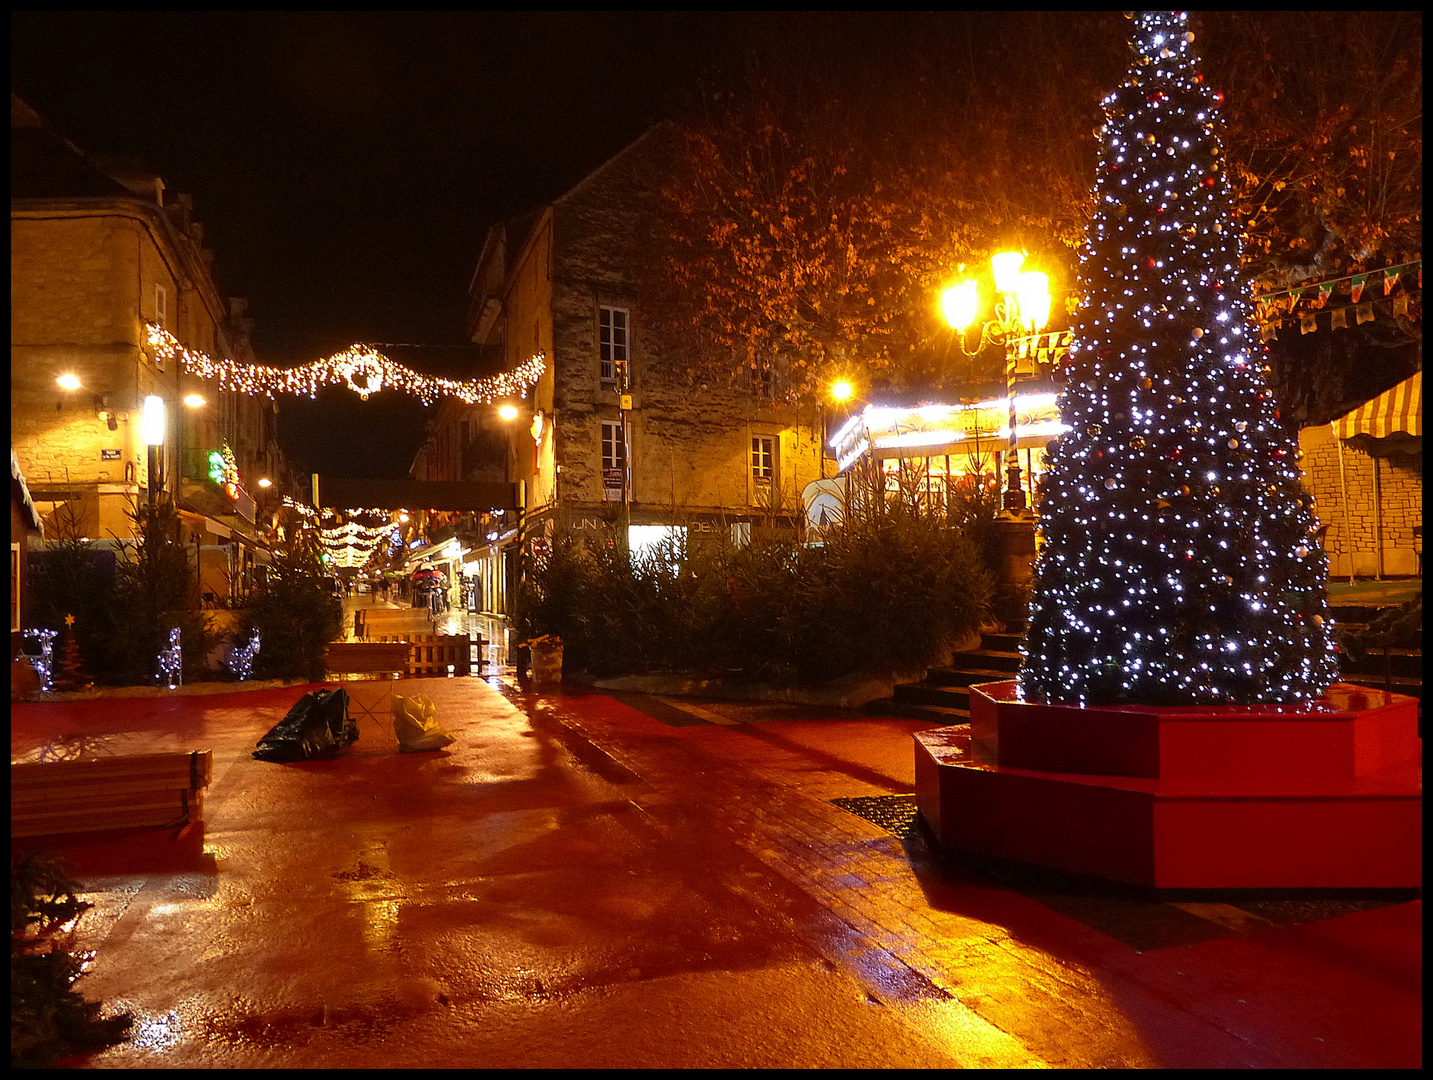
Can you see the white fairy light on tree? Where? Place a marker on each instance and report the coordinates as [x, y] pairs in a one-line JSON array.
[[1177, 565]]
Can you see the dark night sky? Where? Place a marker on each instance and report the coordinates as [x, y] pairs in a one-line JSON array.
[[347, 165]]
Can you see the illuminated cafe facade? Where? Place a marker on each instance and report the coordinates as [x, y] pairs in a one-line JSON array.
[[929, 447]]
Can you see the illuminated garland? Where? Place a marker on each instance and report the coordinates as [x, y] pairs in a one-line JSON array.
[[353, 533], [358, 367], [352, 544]]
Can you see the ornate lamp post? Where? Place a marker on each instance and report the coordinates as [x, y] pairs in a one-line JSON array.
[[1023, 309], [841, 392]]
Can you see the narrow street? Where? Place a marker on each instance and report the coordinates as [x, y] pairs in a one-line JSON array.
[[492, 629], [583, 881]]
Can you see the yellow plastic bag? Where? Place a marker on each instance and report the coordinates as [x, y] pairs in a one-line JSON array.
[[416, 726]]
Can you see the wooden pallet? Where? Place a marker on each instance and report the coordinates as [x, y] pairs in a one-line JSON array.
[[161, 790]]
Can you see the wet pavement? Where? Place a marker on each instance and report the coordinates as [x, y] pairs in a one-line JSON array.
[[594, 880]]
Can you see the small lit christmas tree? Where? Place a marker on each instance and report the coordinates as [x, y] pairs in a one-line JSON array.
[[71, 675], [1178, 565]]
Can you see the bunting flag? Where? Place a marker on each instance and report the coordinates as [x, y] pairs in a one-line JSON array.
[[1352, 285], [1307, 300], [1048, 348]]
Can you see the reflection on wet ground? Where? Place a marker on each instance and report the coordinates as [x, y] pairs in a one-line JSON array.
[[587, 879]]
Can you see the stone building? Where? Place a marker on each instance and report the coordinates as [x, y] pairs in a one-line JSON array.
[[615, 435], [97, 254], [1365, 470]]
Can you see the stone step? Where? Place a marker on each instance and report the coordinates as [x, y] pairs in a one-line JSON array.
[[966, 676], [1404, 662], [939, 714], [1398, 684], [927, 693], [1002, 642], [1345, 615], [987, 660]]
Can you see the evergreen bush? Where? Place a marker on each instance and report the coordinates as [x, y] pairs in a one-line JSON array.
[[49, 1019], [893, 585], [295, 614], [153, 595]]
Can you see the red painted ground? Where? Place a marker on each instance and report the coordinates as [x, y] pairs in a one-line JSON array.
[[574, 883]]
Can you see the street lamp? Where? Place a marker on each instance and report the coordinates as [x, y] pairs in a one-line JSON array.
[[1024, 309], [841, 392], [151, 428]]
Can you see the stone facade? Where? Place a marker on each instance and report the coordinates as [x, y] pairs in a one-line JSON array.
[[95, 254], [1380, 524], [689, 446], [541, 286]]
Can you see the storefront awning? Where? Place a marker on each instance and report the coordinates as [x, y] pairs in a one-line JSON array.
[[1399, 410]]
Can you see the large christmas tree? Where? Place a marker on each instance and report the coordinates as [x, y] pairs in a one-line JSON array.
[[1179, 564]]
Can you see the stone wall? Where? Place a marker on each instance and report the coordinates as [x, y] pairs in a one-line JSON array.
[[86, 275], [690, 442], [1381, 534]]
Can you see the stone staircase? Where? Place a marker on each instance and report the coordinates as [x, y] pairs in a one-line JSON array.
[[1397, 670], [943, 696]]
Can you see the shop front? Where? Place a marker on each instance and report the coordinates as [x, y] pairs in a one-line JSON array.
[[924, 451]]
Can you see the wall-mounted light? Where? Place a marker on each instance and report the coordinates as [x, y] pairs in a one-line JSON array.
[[264, 482], [69, 381], [507, 412], [195, 401]]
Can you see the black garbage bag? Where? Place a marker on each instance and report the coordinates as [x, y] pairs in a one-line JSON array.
[[318, 726]]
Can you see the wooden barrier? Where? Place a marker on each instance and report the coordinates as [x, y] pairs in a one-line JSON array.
[[431, 654], [407, 654], [386, 623], [161, 790], [366, 657]]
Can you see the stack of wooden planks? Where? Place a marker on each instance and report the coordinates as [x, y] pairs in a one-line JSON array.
[[50, 797]]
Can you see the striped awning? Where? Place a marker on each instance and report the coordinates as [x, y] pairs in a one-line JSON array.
[[1397, 410]]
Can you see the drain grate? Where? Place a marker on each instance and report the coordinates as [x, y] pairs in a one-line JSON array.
[[895, 813]]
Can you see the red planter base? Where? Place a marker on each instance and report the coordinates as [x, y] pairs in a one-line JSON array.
[[1324, 794]]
